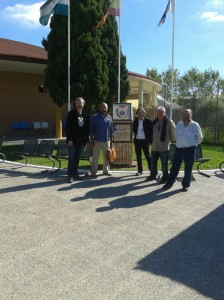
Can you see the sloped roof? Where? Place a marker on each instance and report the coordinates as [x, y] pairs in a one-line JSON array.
[[21, 57], [17, 51]]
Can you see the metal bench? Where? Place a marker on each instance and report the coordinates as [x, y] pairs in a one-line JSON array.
[[63, 153], [86, 153], [44, 149], [222, 162], [199, 159], [220, 166], [40, 128], [2, 155], [28, 149], [20, 126]]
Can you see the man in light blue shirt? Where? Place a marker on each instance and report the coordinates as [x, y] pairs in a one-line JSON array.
[[101, 138], [188, 136]]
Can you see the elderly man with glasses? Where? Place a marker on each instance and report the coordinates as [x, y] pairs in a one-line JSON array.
[[163, 134]]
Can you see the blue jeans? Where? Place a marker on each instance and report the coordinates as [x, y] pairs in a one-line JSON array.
[[163, 155], [73, 159], [182, 154]]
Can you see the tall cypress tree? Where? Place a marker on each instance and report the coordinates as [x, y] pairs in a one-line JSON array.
[[94, 56], [110, 43]]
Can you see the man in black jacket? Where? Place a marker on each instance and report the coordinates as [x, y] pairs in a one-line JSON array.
[[142, 128], [77, 135]]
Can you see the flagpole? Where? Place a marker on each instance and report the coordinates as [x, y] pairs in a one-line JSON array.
[[119, 58], [173, 35], [69, 58]]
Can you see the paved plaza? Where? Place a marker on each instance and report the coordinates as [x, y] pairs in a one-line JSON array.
[[117, 237]]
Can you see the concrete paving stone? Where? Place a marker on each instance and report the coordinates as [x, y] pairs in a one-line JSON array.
[[109, 238]]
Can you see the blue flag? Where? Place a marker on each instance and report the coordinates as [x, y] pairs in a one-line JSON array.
[[170, 7], [59, 7]]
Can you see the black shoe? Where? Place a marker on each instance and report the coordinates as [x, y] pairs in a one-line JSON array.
[[167, 186], [185, 188], [138, 174], [162, 180], [94, 175], [69, 180], [77, 176], [150, 178]]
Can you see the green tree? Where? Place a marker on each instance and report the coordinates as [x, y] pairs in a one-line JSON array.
[[193, 88], [198, 88], [94, 56], [208, 85], [56, 71], [110, 43], [167, 81], [154, 74], [189, 87]]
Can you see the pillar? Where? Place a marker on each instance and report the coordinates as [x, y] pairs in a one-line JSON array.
[[140, 93], [154, 97], [58, 122]]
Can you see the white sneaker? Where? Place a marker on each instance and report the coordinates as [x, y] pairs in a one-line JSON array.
[[107, 173]]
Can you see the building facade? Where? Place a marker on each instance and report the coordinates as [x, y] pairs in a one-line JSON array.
[[22, 93]]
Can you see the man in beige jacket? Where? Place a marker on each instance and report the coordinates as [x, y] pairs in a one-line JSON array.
[[163, 134]]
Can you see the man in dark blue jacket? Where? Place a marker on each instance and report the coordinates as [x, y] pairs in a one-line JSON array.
[[142, 128], [101, 127], [77, 135]]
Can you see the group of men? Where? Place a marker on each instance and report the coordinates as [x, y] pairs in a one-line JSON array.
[[159, 133], [81, 130]]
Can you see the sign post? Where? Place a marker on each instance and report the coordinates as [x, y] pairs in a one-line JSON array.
[[122, 133]]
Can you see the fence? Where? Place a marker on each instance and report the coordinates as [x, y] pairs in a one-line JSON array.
[[210, 119]]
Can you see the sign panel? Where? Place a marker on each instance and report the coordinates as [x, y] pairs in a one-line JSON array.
[[122, 132], [122, 112]]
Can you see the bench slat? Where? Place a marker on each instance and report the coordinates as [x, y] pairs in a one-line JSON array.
[[2, 155], [63, 153]]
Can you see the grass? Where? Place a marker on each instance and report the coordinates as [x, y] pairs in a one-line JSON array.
[[215, 152]]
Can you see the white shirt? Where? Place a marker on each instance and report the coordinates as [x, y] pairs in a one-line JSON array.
[[140, 133], [188, 136]]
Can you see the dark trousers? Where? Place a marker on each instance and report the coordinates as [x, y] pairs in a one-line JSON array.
[[73, 159], [182, 154], [142, 145], [163, 155]]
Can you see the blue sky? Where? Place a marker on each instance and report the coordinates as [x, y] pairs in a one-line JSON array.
[[199, 32]]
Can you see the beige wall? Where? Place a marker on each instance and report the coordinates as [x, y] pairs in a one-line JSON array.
[[20, 100]]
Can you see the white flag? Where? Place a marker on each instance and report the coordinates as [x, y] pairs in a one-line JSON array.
[[59, 7], [170, 7]]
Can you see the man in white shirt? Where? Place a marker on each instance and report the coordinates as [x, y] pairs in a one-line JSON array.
[[188, 136], [142, 128]]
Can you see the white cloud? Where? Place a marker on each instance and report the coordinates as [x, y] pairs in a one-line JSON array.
[[214, 11], [212, 17], [215, 3], [27, 15]]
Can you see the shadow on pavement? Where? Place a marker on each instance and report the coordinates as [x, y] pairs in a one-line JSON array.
[[102, 191], [194, 258], [219, 175], [138, 200], [40, 177]]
